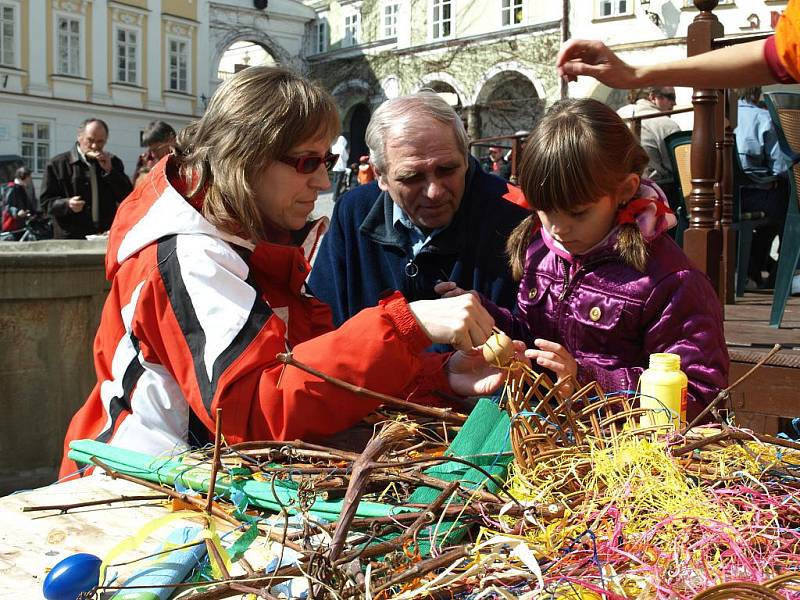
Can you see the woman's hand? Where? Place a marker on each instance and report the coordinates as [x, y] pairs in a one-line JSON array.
[[470, 375], [595, 59], [460, 321]]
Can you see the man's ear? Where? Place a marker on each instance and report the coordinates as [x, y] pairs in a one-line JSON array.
[[628, 187], [382, 184]]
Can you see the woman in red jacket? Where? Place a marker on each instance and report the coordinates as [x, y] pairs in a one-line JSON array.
[[208, 260]]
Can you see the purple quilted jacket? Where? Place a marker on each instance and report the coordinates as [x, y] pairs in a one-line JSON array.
[[611, 317]]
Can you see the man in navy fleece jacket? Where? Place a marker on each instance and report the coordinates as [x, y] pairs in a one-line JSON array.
[[432, 215]]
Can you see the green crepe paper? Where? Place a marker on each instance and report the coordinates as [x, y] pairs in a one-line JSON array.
[[263, 494]]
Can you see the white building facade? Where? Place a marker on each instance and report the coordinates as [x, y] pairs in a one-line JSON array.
[[491, 60], [489, 56], [653, 31], [128, 62]]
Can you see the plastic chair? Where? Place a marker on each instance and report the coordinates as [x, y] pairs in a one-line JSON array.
[[679, 145], [784, 108]]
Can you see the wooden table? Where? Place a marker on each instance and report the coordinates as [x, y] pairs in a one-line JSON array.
[[32, 542]]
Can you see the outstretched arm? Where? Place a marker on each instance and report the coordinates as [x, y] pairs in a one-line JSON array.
[[741, 65]]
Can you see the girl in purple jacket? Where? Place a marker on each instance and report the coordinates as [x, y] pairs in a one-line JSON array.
[[602, 285]]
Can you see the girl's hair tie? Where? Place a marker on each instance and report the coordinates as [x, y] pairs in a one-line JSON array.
[[628, 212]]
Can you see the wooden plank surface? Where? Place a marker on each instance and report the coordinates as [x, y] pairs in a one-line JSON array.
[[747, 323], [772, 393]]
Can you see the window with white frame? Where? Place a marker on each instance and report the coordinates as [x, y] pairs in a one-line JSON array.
[[320, 36], [178, 65], [126, 49], [35, 144], [8, 34], [352, 28], [389, 19], [613, 8], [512, 12], [441, 18], [68, 46]]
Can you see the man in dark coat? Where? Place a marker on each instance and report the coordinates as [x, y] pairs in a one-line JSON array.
[[83, 186], [432, 215]]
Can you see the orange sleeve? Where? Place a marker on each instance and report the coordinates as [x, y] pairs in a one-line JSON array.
[[787, 39]]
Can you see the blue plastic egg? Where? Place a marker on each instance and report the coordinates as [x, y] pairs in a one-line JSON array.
[[72, 576]]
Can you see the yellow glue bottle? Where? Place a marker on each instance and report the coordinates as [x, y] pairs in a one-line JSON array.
[[662, 390]]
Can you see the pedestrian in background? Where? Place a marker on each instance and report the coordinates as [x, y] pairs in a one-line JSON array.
[[159, 139], [17, 205], [83, 186], [339, 171]]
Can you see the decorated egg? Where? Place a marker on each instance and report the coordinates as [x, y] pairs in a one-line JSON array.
[[72, 576], [498, 350]]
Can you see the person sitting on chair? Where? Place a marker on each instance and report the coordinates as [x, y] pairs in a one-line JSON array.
[[761, 158]]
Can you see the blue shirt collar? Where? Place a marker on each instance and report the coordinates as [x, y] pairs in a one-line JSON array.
[[414, 237]]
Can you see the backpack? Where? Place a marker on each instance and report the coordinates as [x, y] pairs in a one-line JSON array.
[[5, 218]]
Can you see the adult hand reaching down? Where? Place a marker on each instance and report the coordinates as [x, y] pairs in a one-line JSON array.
[[595, 59]]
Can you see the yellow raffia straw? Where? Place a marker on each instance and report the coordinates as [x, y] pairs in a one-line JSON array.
[[633, 481]]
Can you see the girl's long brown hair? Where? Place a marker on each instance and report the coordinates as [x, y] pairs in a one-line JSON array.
[[579, 151]]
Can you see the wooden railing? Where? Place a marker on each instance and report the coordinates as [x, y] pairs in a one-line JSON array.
[[507, 142], [710, 240]]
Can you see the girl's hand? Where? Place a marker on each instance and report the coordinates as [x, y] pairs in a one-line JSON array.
[[470, 375], [554, 357], [448, 289]]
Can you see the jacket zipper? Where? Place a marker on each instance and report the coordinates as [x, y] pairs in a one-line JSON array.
[[569, 283]]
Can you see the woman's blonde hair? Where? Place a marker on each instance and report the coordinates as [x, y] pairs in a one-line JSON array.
[[254, 118], [580, 151]]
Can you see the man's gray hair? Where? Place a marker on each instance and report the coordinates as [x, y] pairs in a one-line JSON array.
[[413, 111]]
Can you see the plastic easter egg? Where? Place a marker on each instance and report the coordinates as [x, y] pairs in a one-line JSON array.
[[72, 576]]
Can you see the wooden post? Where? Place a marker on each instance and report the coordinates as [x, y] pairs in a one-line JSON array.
[[703, 239], [516, 154], [473, 114], [727, 120]]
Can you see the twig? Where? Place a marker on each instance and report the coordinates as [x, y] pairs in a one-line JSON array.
[[425, 517], [299, 447], [725, 394], [445, 414], [423, 567], [261, 593], [734, 434], [358, 481], [63, 508], [215, 510], [215, 464], [213, 552]]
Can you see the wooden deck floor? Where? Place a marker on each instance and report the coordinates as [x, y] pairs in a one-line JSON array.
[[771, 396]]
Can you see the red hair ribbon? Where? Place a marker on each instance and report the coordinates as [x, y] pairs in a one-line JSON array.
[[629, 212]]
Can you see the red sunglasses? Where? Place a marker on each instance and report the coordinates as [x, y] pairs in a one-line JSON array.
[[305, 165]]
